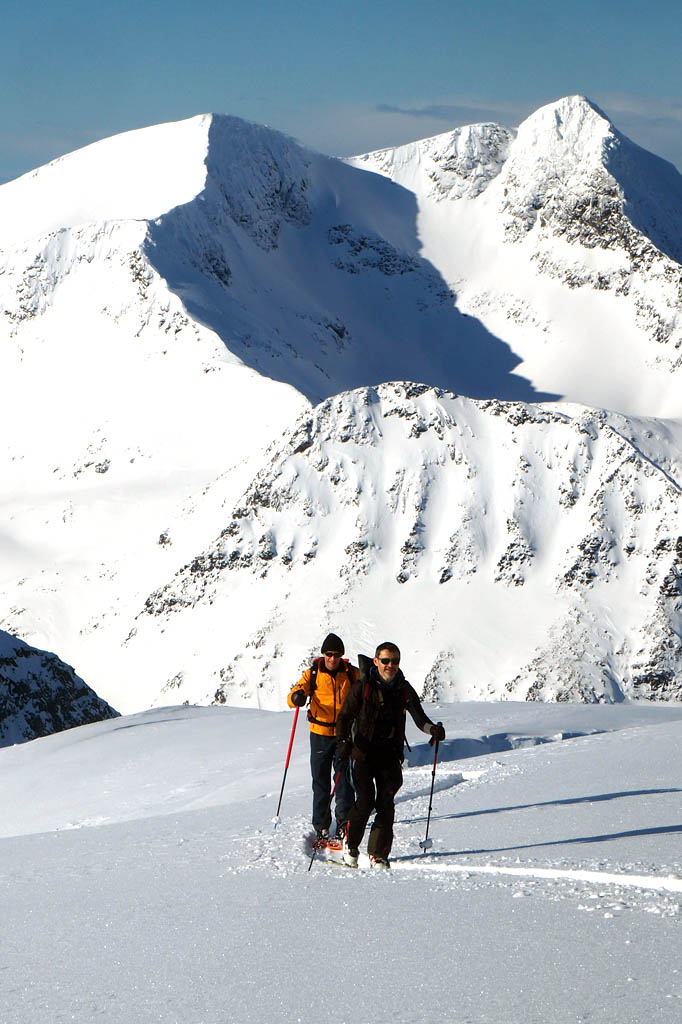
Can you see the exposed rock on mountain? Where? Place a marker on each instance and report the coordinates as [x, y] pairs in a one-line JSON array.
[[523, 551], [40, 695]]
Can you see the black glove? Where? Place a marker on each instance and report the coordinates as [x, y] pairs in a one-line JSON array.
[[298, 698], [437, 733], [343, 749]]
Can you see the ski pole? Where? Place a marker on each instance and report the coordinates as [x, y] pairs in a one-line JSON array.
[[286, 767], [336, 782], [427, 843]]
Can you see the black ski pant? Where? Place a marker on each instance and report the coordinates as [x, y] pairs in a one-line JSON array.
[[324, 765], [376, 779]]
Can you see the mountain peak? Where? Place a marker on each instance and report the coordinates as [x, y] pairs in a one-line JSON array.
[[570, 128], [137, 175]]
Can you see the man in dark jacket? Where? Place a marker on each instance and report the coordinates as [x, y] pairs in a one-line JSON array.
[[377, 704]]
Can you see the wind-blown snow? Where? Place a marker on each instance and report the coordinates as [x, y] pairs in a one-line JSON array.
[[142, 878]]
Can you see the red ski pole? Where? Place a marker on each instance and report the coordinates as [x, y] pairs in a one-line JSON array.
[[286, 766]]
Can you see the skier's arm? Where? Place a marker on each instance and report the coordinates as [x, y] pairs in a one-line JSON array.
[[348, 712], [301, 689], [420, 718]]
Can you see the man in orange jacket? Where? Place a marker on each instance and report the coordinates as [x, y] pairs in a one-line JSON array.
[[326, 683]]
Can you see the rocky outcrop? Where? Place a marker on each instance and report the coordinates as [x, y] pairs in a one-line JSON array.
[[41, 695]]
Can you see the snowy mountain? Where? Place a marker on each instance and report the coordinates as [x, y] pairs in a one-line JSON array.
[[181, 303], [563, 239], [40, 695], [524, 551]]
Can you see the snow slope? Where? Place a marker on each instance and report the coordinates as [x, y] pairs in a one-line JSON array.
[[512, 550], [142, 880]]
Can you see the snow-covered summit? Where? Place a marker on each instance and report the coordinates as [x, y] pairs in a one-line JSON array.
[[137, 175], [570, 164], [563, 239], [455, 165]]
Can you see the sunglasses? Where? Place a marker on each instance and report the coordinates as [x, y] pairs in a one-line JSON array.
[[389, 661], [332, 654]]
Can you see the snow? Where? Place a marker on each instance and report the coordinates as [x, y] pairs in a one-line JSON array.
[[502, 217], [142, 879], [205, 470], [137, 175]]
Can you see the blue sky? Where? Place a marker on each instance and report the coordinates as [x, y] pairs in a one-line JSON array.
[[342, 79]]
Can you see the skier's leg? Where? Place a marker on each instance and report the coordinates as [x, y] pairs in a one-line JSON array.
[[321, 755], [362, 808], [345, 794], [389, 780]]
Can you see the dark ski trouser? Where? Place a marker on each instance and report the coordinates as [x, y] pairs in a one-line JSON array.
[[323, 766], [377, 780]]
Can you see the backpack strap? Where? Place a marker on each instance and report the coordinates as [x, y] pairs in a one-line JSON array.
[[313, 677]]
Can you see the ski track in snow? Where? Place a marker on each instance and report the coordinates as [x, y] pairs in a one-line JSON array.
[[609, 892], [192, 907]]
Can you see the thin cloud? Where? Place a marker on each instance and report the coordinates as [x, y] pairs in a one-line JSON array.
[[460, 113]]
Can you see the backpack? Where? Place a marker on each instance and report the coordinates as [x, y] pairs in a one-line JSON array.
[[365, 664]]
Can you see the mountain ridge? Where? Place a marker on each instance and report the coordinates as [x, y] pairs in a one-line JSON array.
[[151, 363]]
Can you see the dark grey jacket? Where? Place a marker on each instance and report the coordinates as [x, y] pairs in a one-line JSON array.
[[365, 702]]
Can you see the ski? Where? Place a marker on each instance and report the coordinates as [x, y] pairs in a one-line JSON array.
[[328, 851]]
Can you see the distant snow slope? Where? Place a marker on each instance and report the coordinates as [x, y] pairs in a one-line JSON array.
[[563, 238], [40, 695]]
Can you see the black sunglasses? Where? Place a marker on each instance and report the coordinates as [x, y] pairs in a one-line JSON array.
[[389, 661], [332, 654]]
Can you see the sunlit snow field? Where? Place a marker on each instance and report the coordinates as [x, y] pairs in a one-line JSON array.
[[143, 881]]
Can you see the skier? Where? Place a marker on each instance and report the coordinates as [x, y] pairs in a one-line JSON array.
[[376, 705], [327, 683]]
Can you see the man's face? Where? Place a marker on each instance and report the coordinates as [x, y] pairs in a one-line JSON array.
[[332, 660], [387, 663]]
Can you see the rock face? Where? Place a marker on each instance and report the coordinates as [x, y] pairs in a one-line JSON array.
[[40, 695], [530, 552]]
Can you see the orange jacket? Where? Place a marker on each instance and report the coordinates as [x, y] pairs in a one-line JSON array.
[[330, 693]]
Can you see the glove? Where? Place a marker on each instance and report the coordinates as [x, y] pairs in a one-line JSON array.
[[437, 733], [343, 749], [298, 698]]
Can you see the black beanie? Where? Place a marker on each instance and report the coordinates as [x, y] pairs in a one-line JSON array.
[[333, 643]]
